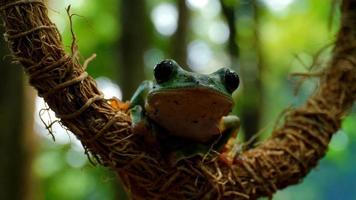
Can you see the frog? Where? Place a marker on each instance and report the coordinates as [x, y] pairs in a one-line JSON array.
[[185, 113]]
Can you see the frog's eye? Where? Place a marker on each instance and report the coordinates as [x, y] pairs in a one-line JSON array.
[[232, 80], [164, 70]]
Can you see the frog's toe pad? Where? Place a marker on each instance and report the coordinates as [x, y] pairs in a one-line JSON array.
[[231, 122]]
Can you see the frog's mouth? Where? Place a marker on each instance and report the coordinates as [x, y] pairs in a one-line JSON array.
[[192, 113]]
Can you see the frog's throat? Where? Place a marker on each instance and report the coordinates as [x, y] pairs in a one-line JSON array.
[[190, 113]]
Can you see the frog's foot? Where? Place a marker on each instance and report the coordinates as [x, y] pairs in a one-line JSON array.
[[229, 154], [228, 145], [142, 126], [228, 127]]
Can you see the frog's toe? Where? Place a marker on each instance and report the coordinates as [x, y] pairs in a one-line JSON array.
[[230, 122]]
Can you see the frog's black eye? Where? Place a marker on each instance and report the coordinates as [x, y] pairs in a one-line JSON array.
[[164, 70], [232, 80]]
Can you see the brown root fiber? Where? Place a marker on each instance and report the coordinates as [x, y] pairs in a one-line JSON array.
[[284, 159]]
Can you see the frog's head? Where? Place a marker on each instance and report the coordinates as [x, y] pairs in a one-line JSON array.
[[189, 104], [169, 75]]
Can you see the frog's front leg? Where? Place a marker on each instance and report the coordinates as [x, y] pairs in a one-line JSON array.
[[229, 127], [140, 123], [139, 97]]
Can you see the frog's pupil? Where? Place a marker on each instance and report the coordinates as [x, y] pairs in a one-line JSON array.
[[163, 71], [232, 80]]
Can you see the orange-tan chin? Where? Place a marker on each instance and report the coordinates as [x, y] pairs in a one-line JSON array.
[[192, 113]]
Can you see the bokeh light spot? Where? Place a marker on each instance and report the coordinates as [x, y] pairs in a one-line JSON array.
[[278, 5], [339, 141], [199, 55], [108, 88], [219, 32], [47, 116], [165, 17], [46, 164], [75, 158], [74, 3], [212, 9], [197, 4]]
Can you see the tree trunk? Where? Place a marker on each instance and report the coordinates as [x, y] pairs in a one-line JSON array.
[[133, 43], [251, 68], [251, 106], [16, 132], [230, 16], [180, 37], [251, 112]]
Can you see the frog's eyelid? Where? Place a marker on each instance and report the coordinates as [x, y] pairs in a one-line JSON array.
[[220, 73]]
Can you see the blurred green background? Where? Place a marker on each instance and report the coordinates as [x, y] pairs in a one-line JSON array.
[[264, 41]]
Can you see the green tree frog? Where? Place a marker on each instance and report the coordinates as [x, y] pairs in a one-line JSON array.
[[185, 113]]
